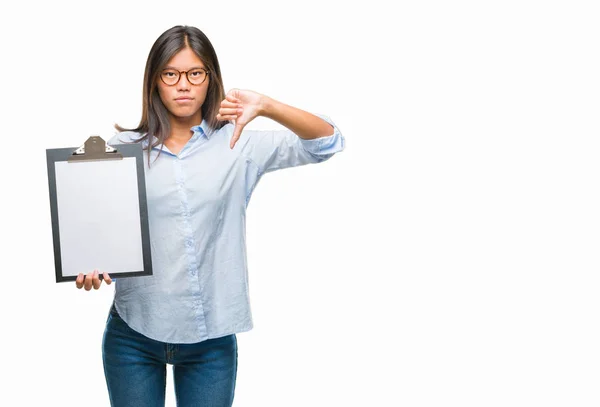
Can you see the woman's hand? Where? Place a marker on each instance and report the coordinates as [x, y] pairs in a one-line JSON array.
[[91, 280], [242, 106]]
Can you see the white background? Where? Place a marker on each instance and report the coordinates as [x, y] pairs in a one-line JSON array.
[[448, 257]]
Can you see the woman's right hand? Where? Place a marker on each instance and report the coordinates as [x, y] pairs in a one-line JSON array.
[[90, 280]]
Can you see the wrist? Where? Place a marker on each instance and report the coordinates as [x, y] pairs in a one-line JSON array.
[[266, 106]]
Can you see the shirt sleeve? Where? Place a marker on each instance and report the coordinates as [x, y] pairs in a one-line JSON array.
[[277, 149]]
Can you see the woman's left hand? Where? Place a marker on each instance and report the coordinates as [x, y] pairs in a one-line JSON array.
[[242, 106]]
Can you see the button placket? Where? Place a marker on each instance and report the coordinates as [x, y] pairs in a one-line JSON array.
[[189, 241]]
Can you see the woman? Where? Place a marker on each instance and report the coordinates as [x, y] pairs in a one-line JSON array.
[[201, 171]]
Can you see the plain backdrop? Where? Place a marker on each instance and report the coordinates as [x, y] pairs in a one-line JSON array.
[[447, 257]]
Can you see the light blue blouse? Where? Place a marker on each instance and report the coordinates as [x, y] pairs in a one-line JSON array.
[[197, 203]]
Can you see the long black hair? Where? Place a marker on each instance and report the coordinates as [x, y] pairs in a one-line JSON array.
[[155, 116]]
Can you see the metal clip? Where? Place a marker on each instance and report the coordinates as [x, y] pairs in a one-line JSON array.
[[97, 149]]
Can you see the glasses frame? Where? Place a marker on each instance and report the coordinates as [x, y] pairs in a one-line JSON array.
[[179, 73]]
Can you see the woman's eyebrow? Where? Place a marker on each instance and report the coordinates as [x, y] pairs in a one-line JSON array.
[[177, 69]]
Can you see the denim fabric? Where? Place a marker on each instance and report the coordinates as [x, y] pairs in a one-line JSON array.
[[204, 373]]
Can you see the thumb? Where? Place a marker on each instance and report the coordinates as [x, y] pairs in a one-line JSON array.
[[237, 132]]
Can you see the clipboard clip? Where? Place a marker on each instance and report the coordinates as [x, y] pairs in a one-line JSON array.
[[95, 149]]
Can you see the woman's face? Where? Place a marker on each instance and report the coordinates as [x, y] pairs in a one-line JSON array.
[[183, 99]]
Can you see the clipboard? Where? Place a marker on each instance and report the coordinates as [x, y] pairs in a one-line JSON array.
[[99, 210]]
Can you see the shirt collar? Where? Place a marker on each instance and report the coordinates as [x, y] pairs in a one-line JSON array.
[[201, 129]]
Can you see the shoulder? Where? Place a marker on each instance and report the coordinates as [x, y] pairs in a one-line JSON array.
[[125, 137], [225, 130], [222, 135]]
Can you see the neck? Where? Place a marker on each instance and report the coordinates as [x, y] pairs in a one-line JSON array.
[[180, 126]]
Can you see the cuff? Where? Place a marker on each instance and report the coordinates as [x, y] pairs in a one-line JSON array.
[[327, 145]]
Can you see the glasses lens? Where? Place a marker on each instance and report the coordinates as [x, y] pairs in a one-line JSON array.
[[169, 76], [196, 76]]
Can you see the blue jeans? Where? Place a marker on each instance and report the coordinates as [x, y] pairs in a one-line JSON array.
[[204, 373]]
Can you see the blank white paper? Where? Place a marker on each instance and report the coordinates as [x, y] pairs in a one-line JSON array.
[[99, 216]]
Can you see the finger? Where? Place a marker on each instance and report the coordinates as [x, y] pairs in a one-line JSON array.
[[88, 282], [227, 104], [107, 278], [96, 280], [233, 99], [79, 281], [229, 111], [228, 117], [232, 96]]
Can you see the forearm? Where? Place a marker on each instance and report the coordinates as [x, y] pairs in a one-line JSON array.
[[304, 124]]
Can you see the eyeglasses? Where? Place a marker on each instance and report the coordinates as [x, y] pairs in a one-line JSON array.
[[171, 77]]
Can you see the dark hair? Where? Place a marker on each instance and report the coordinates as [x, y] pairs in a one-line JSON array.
[[155, 116]]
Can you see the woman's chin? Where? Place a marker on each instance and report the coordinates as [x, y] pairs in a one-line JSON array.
[[184, 112]]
